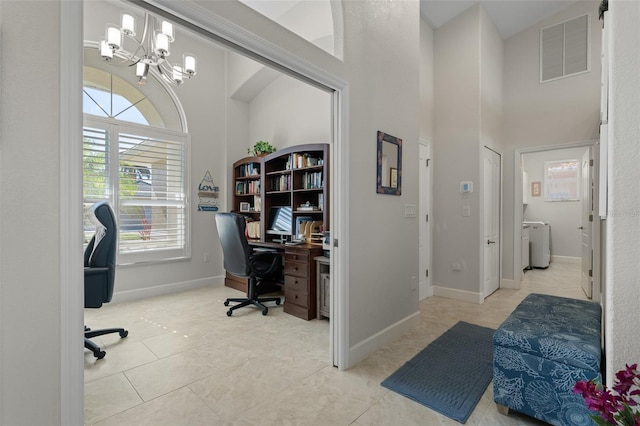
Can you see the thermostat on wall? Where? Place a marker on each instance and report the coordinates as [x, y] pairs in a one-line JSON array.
[[466, 187]]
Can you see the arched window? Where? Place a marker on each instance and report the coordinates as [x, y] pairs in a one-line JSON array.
[[135, 153]]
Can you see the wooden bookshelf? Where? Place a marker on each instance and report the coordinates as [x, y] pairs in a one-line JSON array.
[[293, 177], [296, 177]]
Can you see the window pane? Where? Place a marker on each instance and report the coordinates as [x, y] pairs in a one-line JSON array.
[[95, 164], [152, 199], [561, 180], [95, 172]]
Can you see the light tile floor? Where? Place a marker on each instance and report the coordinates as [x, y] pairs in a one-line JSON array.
[[186, 363]]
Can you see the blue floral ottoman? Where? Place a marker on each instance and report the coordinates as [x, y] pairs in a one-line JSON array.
[[540, 351]]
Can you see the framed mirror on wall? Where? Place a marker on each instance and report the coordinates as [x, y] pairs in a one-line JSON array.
[[389, 176]]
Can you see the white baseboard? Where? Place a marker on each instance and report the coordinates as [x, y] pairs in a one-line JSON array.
[[452, 293], [566, 259], [510, 284], [363, 349], [159, 290]]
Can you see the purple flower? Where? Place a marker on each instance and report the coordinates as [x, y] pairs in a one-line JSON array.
[[613, 407], [625, 379]]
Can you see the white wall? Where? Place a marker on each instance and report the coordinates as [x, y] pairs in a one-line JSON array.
[[491, 82], [380, 294], [204, 101], [289, 112], [30, 285], [537, 115], [456, 151], [468, 115], [623, 221], [564, 217], [426, 81]]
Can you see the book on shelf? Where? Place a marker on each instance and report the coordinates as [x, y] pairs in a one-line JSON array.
[[250, 169], [247, 187], [257, 203], [299, 161], [312, 180], [253, 230], [281, 183], [308, 208]]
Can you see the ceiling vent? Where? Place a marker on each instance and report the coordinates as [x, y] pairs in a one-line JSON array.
[[564, 49]]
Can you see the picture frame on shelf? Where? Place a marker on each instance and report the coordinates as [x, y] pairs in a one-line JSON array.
[[245, 207]]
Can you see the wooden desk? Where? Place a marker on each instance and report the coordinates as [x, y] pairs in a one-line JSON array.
[[300, 287]]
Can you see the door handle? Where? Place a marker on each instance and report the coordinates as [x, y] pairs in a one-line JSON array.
[[580, 227], [490, 242]]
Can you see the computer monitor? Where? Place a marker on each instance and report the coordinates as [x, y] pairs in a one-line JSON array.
[[280, 221]]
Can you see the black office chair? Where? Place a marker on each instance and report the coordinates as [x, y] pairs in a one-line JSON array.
[[100, 270], [242, 261]]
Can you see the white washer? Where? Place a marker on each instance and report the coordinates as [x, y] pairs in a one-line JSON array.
[[539, 237]]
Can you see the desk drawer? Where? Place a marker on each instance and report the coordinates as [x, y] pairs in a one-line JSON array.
[[298, 284], [302, 256], [298, 269], [296, 297]]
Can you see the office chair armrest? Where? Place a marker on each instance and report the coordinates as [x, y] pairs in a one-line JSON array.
[[265, 262], [95, 271]]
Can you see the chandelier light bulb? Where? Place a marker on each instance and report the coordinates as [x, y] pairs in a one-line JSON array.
[[105, 51], [113, 37], [167, 29], [162, 45], [189, 64], [142, 70], [128, 24], [177, 74]]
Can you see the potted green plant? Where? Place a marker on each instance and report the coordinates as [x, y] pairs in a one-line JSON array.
[[261, 148]]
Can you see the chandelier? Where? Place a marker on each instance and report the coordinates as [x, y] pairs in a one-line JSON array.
[[150, 50]]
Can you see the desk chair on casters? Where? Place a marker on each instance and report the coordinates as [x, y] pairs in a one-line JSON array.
[[242, 261], [100, 269]]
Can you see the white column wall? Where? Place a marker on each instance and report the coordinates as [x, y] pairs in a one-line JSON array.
[[30, 284], [623, 221]]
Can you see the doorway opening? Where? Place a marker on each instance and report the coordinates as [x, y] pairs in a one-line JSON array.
[[573, 229]]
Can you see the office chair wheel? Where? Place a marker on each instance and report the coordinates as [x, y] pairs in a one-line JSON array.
[[226, 303], [264, 311], [277, 301], [229, 312], [124, 334], [100, 354]]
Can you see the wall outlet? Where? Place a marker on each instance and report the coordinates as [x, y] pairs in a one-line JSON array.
[[414, 283], [466, 211], [206, 257]]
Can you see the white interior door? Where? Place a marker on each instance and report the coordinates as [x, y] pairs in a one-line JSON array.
[[491, 225], [424, 241], [586, 279]]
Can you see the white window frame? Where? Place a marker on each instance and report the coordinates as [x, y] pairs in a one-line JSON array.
[[588, 15], [550, 182], [114, 128]]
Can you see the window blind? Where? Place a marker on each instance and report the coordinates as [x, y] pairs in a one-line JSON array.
[[142, 171]]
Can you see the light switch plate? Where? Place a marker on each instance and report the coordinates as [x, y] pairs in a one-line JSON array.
[[410, 210]]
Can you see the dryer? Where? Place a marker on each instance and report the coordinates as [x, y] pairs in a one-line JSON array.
[[539, 237]]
